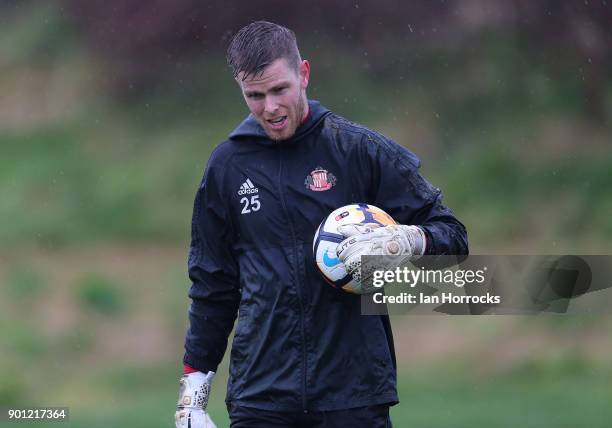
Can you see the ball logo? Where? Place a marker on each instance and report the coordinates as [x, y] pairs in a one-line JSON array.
[[320, 180], [342, 215], [330, 261]]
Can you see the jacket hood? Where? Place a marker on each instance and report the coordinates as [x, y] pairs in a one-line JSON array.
[[250, 128]]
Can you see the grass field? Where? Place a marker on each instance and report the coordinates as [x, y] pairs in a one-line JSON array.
[[556, 400], [100, 330]]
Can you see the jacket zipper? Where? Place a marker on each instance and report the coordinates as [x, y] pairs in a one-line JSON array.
[[298, 275]]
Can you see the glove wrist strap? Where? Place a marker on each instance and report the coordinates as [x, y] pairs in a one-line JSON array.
[[416, 238]]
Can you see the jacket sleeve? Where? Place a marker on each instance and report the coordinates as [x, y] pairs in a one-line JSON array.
[[410, 199], [214, 293]]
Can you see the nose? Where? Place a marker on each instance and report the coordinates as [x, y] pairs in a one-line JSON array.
[[270, 105]]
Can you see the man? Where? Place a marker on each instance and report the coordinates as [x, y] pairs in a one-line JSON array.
[[302, 354]]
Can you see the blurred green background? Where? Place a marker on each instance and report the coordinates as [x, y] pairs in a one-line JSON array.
[[110, 109]]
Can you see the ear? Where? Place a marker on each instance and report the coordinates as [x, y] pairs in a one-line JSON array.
[[304, 73]]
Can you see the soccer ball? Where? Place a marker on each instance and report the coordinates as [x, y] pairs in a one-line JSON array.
[[327, 238]]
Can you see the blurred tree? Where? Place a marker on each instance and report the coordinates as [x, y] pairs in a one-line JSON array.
[[573, 37], [141, 41]]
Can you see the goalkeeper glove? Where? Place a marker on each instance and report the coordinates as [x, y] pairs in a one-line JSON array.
[[192, 401], [372, 239]]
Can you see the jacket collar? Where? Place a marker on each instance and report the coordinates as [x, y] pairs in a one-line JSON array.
[[250, 128]]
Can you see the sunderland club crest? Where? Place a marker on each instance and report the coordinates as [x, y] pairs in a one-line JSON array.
[[320, 180]]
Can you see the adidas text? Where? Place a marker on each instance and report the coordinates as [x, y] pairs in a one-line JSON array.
[[248, 191]]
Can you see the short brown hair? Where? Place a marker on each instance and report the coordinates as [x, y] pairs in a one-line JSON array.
[[259, 44]]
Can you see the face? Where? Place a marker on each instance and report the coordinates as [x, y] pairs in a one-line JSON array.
[[277, 97]]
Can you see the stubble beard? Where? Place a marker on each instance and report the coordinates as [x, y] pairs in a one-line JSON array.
[[295, 121]]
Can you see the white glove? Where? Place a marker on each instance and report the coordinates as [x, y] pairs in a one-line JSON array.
[[372, 239], [192, 401]]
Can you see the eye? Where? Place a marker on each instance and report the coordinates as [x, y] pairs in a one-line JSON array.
[[254, 96], [280, 90]]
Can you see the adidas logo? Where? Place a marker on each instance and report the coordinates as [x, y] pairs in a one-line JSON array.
[[247, 188]]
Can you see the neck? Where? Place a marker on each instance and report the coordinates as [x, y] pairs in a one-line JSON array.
[[306, 111]]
